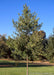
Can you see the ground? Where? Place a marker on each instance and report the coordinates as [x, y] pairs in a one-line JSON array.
[[10, 67]]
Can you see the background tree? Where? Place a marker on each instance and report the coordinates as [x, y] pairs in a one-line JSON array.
[[4, 49], [50, 48], [37, 44]]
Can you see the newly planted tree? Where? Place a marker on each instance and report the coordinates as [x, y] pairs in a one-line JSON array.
[[26, 25]]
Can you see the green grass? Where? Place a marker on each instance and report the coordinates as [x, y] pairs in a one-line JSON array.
[[41, 71], [32, 71], [12, 71], [21, 69]]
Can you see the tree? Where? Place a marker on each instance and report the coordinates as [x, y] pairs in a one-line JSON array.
[[4, 49], [50, 47], [26, 25]]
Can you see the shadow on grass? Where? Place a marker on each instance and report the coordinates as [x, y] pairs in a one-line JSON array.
[[5, 65]]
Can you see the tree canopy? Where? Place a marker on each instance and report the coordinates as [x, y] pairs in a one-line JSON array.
[[25, 27]]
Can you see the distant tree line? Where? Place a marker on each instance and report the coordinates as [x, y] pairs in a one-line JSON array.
[[29, 40]]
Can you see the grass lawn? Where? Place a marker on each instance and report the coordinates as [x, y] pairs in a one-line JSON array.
[[32, 71], [21, 69]]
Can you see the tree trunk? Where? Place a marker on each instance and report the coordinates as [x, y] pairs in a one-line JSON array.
[[27, 65]]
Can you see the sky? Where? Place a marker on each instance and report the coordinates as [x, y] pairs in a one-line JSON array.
[[9, 10]]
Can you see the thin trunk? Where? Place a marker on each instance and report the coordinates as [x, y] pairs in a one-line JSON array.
[[27, 65]]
